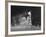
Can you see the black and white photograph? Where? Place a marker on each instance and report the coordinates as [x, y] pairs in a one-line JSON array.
[[24, 18]]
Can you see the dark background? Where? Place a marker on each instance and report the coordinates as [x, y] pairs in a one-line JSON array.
[[35, 12]]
